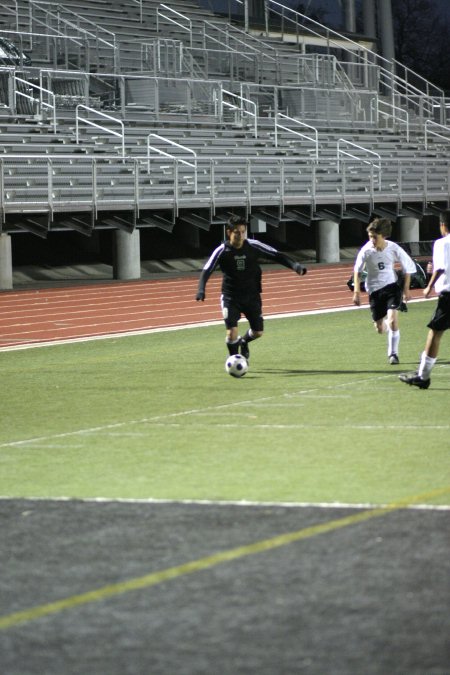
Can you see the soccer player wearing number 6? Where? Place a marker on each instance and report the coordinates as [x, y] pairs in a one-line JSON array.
[[378, 258], [238, 258]]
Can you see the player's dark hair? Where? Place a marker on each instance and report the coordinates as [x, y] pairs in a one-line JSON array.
[[381, 226], [444, 217], [234, 221]]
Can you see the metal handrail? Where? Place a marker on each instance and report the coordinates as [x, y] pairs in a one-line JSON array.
[[297, 133], [240, 108], [375, 104], [141, 9], [166, 154], [98, 126], [14, 12], [41, 5], [42, 103], [83, 32], [177, 23], [336, 40], [262, 48], [162, 45], [138, 193], [359, 159], [430, 123]]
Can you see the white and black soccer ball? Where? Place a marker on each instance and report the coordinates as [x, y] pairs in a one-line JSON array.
[[236, 365]]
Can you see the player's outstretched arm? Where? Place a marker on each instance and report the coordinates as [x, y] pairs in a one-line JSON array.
[[289, 262], [201, 290]]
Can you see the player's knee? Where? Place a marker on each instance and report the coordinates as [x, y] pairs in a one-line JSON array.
[[257, 334]]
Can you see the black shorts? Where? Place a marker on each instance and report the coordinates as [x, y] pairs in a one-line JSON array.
[[250, 307], [441, 318], [389, 297]]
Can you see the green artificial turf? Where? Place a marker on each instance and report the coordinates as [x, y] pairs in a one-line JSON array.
[[320, 417]]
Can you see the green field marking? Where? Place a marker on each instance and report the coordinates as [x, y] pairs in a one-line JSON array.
[[155, 578]]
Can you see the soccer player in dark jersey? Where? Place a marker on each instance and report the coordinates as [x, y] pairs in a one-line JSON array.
[[238, 258]]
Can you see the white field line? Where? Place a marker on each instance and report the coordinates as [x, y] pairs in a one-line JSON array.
[[164, 329], [290, 427], [209, 502], [167, 418]]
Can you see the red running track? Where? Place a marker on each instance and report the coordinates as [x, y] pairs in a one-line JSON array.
[[114, 308]]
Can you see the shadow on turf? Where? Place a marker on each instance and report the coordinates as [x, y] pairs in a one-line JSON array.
[[298, 371], [291, 372]]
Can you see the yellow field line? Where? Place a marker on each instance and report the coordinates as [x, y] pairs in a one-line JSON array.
[[207, 562]]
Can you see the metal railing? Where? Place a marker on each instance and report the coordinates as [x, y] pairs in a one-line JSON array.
[[56, 20], [12, 11], [165, 13], [38, 102], [61, 183], [430, 127], [396, 114], [298, 134], [159, 151], [240, 108], [106, 130], [408, 87], [366, 157]]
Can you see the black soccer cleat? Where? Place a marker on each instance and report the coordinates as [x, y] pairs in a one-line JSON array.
[[415, 380], [245, 351], [394, 360]]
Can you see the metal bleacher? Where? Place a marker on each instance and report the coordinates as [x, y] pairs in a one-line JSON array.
[[125, 114]]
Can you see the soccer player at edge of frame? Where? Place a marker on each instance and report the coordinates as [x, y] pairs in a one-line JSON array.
[[238, 258], [378, 257], [440, 321]]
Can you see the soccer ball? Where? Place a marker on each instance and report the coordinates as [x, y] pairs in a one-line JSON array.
[[236, 365]]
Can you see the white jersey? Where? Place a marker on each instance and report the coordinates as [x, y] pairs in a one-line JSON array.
[[441, 261], [379, 265]]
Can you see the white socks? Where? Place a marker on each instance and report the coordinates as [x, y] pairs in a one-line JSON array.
[[393, 341], [425, 367]]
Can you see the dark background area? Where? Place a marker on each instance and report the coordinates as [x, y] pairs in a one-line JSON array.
[[72, 248]]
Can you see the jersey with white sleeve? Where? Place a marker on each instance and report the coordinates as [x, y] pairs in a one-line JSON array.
[[240, 266], [379, 265], [441, 261]]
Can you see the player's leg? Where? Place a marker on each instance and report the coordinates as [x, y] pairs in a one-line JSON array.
[[392, 296], [429, 354], [439, 323], [378, 310], [253, 313], [393, 336], [231, 316]]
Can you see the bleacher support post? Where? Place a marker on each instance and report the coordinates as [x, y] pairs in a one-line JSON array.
[[127, 255], [409, 229], [6, 272], [327, 241]]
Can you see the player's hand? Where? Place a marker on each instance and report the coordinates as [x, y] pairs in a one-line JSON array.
[[300, 269], [200, 296], [356, 298]]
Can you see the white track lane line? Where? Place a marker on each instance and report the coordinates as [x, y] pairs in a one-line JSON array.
[[164, 329]]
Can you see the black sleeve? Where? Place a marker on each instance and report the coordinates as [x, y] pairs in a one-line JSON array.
[[285, 260], [209, 268], [204, 276], [267, 251]]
